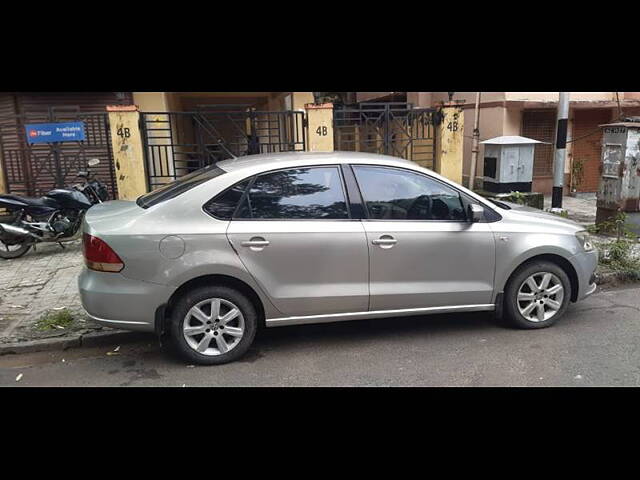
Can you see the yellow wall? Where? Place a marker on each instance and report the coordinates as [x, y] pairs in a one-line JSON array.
[[300, 99], [492, 124], [450, 141], [126, 142], [3, 185], [320, 119], [151, 101]]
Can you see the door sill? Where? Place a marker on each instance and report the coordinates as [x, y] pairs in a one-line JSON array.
[[340, 317]]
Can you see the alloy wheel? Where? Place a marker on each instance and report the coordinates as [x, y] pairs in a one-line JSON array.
[[213, 327], [540, 297]]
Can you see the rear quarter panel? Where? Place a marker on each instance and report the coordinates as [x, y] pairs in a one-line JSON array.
[[171, 243]]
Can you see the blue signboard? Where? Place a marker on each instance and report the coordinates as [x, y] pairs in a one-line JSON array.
[[55, 132]]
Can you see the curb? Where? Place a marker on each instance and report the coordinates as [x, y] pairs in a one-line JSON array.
[[88, 340]]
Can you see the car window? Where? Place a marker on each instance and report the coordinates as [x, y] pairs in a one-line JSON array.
[[179, 186], [223, 205], [301, 193], [394, 194]]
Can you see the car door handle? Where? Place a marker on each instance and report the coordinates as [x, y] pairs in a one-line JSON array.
[[255, 243], [385, 241]]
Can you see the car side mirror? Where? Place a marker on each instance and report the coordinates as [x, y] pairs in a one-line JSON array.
[[475, 213]]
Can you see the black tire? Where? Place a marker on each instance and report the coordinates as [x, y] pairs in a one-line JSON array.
[[512, 315], [4, 253], [192, 298]]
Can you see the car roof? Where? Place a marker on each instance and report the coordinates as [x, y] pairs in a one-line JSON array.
[[270, 161]]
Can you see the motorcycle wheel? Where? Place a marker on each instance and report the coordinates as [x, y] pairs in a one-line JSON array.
[[13, 251]]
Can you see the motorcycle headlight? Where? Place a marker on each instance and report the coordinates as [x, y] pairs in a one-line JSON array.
[[585, 240]]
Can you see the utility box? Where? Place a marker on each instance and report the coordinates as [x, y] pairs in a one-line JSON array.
[[508, 164], [619, 188]]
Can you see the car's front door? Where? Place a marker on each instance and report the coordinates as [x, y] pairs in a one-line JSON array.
[[423, 251], [294, 234]]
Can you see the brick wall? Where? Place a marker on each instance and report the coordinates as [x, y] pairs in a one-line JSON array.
[[588, 149]]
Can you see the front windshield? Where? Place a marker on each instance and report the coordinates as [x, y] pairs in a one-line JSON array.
[[181, 185]]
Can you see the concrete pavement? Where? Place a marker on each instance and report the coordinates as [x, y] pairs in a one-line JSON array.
[[45, 280], [596, 344]]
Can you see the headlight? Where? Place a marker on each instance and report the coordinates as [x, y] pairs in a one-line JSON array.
[[585, 240]]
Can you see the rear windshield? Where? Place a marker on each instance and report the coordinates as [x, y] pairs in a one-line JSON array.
[[181, 185]]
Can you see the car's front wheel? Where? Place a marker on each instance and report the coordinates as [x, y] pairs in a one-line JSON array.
[[537, 295], [212, 325]]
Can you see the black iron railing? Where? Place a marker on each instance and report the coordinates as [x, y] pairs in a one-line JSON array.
[[395, 129], [177, 143]]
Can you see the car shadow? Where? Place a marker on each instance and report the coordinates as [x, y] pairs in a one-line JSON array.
[[354, 332], [362, 330]]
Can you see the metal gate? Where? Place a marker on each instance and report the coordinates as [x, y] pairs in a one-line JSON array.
[[34, 169], [177, 143], [394, 129]]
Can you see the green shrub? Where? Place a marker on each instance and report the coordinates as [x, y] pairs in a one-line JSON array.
[[618, 256], [55, 319]]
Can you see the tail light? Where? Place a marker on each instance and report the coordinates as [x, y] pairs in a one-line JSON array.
[[99, 256]]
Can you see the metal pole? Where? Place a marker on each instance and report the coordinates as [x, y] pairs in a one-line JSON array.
[[475, 146], [561, 147]]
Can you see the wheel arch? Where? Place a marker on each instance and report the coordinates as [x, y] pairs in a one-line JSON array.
[[559, 260], [163, 314]]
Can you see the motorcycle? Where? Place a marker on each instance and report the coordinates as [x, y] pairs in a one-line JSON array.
[[54, 218]]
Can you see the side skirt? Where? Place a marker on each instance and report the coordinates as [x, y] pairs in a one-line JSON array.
[[340, 317]]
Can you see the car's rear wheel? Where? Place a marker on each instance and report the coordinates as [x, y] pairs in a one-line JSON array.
[[213, 325], [537, 295]]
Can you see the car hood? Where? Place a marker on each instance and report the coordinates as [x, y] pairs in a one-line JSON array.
[[525, 213]]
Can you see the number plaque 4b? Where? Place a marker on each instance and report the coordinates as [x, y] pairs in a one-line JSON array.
[[124, 132], [321, 131], [452, 126]]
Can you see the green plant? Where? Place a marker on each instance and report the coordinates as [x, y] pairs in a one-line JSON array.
[[518, 197], [577, 174], [618, 256], [55, 319], [616, 225]]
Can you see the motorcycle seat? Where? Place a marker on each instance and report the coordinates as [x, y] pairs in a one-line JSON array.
[[31, 201]]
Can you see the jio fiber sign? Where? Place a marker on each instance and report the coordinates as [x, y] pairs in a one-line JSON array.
[[55, 132]]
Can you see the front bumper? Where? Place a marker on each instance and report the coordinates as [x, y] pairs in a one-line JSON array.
[[585, 264], [116, 301]]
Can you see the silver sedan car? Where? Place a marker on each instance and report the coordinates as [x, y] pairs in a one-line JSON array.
[[294, 238]]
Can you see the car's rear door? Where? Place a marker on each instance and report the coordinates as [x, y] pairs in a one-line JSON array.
[[294, 233], [423, 251]]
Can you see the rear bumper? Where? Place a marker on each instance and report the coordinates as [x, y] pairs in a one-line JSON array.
[[115, 301]]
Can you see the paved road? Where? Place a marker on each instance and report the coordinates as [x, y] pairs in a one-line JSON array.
[[597, 343]]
